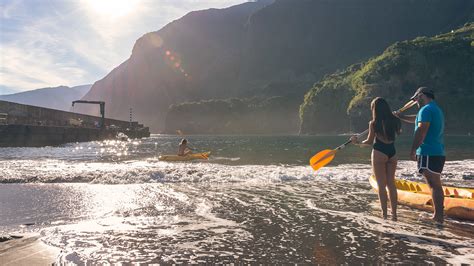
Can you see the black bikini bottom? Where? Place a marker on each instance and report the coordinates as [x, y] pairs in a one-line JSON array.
[[387, 149]]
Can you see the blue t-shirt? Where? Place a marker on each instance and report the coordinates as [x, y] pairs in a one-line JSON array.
[[433, 144]]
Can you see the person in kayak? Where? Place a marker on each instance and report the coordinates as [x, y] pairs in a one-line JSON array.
[[183, 149], [383, 129], [428, 145]]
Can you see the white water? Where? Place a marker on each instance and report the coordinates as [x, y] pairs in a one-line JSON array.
[[152, 170], [114, 202]]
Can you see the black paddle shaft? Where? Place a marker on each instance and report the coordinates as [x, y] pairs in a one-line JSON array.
[[349, 141]]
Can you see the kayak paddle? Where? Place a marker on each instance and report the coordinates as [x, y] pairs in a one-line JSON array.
[[324, 157]]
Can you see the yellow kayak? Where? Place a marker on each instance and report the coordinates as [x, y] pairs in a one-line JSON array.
[[458, 202], [188, 157]]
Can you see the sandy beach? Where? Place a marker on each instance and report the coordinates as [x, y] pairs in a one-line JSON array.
[[27, 250], [71, 206]]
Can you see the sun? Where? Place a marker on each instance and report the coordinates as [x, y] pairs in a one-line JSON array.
[[112, 9]]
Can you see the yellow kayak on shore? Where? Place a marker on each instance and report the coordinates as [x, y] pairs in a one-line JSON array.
[[187, 157], [458, 202]]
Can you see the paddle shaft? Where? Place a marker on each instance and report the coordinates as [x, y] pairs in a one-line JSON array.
[[349, 141], [324, 157], [404, 108]]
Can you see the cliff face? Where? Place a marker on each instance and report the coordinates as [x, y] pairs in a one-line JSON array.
[[189, 59], [262, 48], [444, 63], [291, 38]]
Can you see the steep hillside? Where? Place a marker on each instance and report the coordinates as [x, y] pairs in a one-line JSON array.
[[263, 49], [444, 63], [189, 59]]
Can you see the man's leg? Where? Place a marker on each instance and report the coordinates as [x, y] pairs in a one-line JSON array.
[[437, 194]]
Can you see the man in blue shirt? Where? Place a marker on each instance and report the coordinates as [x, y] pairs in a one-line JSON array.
[[428, 145]]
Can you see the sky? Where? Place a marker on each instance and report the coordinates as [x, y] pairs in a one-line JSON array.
[[48, 43]]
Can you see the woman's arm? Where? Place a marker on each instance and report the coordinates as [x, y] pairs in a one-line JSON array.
[[370, 137]]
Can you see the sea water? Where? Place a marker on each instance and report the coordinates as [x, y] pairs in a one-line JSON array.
[[256, 200]]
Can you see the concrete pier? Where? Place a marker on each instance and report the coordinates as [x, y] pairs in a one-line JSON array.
[[38, 136], [31, 126]]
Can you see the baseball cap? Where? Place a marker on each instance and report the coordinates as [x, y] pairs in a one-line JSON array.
[[424, 90]]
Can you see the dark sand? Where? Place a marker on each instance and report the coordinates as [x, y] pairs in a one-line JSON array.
[[27, 250]]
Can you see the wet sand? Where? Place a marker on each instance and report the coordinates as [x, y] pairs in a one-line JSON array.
[[302, 222], [115, 203], [27, 250]]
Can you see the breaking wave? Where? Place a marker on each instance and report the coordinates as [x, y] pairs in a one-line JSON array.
[[152, 170]]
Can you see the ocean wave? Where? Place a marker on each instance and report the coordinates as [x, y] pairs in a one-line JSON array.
[[152, 170]]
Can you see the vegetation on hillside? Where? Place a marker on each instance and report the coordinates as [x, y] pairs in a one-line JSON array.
[[233, 116], [263, 48], [444, 63]]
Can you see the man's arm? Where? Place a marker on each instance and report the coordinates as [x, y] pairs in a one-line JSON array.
[[420, 135]]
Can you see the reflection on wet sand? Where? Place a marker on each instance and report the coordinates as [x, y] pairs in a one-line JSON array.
[[245, 222], [114, 202]]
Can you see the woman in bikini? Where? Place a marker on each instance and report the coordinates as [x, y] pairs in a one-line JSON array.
[[383, 129]]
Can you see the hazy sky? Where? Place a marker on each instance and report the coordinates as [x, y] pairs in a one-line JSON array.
[[47, 43]]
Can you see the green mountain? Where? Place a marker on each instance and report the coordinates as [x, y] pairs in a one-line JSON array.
[[235, 116], [340, 102], [262, 49]]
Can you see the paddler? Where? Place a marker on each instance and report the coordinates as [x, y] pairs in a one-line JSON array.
[[183, 149]]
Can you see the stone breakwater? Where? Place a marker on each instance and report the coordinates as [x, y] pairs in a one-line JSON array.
[[38, 136], [31, 126]]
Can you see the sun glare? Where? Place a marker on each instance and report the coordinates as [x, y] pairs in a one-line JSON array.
[[112, 8]]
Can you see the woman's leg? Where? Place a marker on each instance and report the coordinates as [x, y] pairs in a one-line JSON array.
[[379, 163], [392, 189]]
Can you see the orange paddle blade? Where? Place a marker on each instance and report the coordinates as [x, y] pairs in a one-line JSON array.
[[322, 158]]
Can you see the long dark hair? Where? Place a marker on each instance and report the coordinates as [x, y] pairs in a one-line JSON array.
[[385, 123]]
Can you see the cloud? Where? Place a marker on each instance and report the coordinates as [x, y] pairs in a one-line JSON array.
[[37, 53], [62, 42]]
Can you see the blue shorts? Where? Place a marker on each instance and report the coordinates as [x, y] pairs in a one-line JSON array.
[[434, 164]]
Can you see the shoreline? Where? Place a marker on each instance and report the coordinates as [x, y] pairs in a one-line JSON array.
[[27, 250]]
